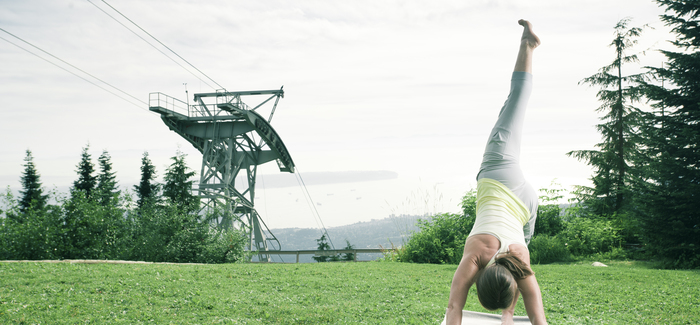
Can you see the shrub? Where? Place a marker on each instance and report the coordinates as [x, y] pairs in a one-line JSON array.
[[439, 241], [585, 236], [224, 246], [549, 221], [546, 249]]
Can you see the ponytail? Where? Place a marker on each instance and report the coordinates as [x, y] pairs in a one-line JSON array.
[[515, 265]]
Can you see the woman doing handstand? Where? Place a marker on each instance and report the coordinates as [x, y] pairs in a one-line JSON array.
[[496, 256]]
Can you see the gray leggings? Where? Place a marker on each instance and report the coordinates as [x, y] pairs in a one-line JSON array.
[[502, 155]]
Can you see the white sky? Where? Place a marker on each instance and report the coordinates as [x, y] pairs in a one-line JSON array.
[[406, 87]]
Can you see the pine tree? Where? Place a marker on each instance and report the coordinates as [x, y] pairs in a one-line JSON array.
[[86, 181], [178, 186], [348, 257], [671, 183], [611, 162], [147, 190], [107, 189], [31, 194]]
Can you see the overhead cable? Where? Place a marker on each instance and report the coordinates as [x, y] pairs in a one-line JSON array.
[[301, 180], [149, 43], [161, 43], [73, 73]]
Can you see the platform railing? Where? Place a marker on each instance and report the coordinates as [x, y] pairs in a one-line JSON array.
[[169, 103]]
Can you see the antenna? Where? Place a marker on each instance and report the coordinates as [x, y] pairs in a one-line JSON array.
[[187, 96]]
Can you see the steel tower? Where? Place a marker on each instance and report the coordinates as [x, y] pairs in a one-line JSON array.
[[233, 139]]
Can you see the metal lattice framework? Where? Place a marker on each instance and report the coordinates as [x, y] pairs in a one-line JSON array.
[[233, 139]]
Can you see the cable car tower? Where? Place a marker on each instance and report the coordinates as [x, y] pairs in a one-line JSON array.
[[233, 139]]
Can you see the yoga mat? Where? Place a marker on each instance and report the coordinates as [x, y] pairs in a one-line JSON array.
[[476, 318]]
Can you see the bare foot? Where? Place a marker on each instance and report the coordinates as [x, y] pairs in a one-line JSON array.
[[529, 38]]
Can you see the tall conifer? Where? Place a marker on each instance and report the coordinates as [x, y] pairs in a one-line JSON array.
[[178, 184], [107, 189], [86, 181], [611, 162], [147, 190], [31, 192]]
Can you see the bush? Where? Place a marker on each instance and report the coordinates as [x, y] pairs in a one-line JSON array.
[[585, 236], [439, 241], [169, 234], [225, 246], [549, 221], [546, 249], [441, 238]]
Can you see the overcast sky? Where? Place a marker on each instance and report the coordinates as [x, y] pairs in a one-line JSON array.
[[387, 103]]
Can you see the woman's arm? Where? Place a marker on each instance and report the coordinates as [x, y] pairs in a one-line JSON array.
[[461, 282], [532, 297], [477, 250], [530, 289]]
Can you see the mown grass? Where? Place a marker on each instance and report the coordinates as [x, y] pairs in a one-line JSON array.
[[354, 293]]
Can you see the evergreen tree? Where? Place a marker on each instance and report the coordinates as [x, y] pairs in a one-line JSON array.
[[31, 193], [147, 190], [348, 257], [86, 181], [671, 208], [611, 162], [178, 186], [107, 189]]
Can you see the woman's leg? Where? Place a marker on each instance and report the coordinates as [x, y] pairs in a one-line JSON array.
[[501, 160], [528, 42]]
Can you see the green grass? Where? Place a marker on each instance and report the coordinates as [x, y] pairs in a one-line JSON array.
[[355, 293]]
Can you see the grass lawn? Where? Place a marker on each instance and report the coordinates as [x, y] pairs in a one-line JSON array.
[[355, 293]]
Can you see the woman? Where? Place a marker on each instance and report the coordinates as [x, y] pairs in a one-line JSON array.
[[496, 257]]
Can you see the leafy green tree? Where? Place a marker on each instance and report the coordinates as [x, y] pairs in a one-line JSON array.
[[107, 189], [322, 246], [178, 185], [468, 205], [611, 162], [82, 227], [549, 221], [37, 236], [669, 190], [147, 190], [86, 181], [32, 195]]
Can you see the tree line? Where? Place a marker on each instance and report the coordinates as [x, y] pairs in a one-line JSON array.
[[97, 220], [645, 198]]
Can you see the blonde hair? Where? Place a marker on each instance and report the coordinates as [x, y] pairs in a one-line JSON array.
[[496, 286]]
